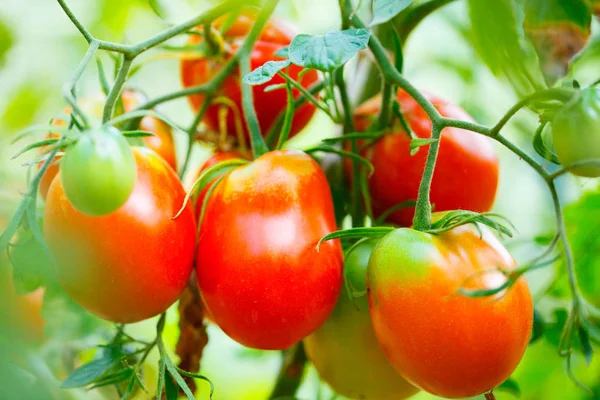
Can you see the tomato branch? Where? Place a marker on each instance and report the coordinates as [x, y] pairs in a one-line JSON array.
[[116, 89], [69, 88]]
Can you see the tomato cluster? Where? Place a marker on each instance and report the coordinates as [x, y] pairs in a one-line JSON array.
[[125, 240]]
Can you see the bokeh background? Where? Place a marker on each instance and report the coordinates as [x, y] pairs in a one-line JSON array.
[[40, 49]]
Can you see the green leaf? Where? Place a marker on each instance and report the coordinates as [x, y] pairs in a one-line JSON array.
[[6, 41], [510, 386], [171, 388], [499, 39], [265, 72], [357, 233], [31, 266], [282, 52], [137, 133], [90, 372], [385, 10], [558, 30], [539, 327], [329, 51]]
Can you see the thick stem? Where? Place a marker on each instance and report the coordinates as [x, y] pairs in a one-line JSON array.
[[291, 372], [116, 89], [422, 219]]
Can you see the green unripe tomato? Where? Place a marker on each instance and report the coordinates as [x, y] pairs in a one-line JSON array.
[[345, 351], [576, 132], [98, 172]]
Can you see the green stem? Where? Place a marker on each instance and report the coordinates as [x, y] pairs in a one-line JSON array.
[[386, 106], [116, 89], [301, 100], [422, 218], [289, 116], [522, 155], [562, 232], [69, 88], [308, 95], [192, 130], [257, 143], [84, 32], [291, 372]]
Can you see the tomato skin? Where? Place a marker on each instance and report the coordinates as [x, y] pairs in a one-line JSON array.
[[215, 159], [162, 141], [466, 174], [259, 273], [98, 172], [576, 132], [131, 264], [448, 344], [268, 105], [345, 351]]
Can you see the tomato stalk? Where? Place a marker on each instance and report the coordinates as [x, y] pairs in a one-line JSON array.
[[422, 219], [290, 373], [288, 116]]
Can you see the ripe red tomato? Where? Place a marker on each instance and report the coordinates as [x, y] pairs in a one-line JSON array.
[[268, 105], [162, 141], [215, 159], [259, 272], [133, 263], [444, 342], [466, 174], [344, 349]]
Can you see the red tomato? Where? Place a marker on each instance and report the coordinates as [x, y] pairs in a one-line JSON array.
[[133, 263], [268, 105], [259, 272], [444, 342], [215, 159], [466, 174], [162, 141]]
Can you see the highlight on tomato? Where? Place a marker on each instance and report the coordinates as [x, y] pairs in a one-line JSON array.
[[98, 172], [466, 174], [201, 67], [260, 275], [576, 133], [133, 263], [345, 351], [439, 339]]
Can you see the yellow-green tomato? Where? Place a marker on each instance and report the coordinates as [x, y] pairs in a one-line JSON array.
[[98, 172], [576, 132], [345, 351]]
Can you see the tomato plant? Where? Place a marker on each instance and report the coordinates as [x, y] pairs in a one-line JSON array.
[[98, 172], [268, 104], [467, 177], [576, 133], [344, 349], [446, 343], [260, 275], [138, 249]]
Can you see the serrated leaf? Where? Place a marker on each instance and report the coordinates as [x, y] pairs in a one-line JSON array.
[[510, 386], [385, 10], [498, 36], [265, 72], [88, 373], [31, 266], [329, 51], [558, 30]]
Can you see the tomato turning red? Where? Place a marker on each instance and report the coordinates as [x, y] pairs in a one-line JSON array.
[[259, 272], [442, 341], [268, 105], [466, 174], [131, 264]]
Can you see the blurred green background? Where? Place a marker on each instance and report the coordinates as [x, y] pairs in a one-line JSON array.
[[40, 49]]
